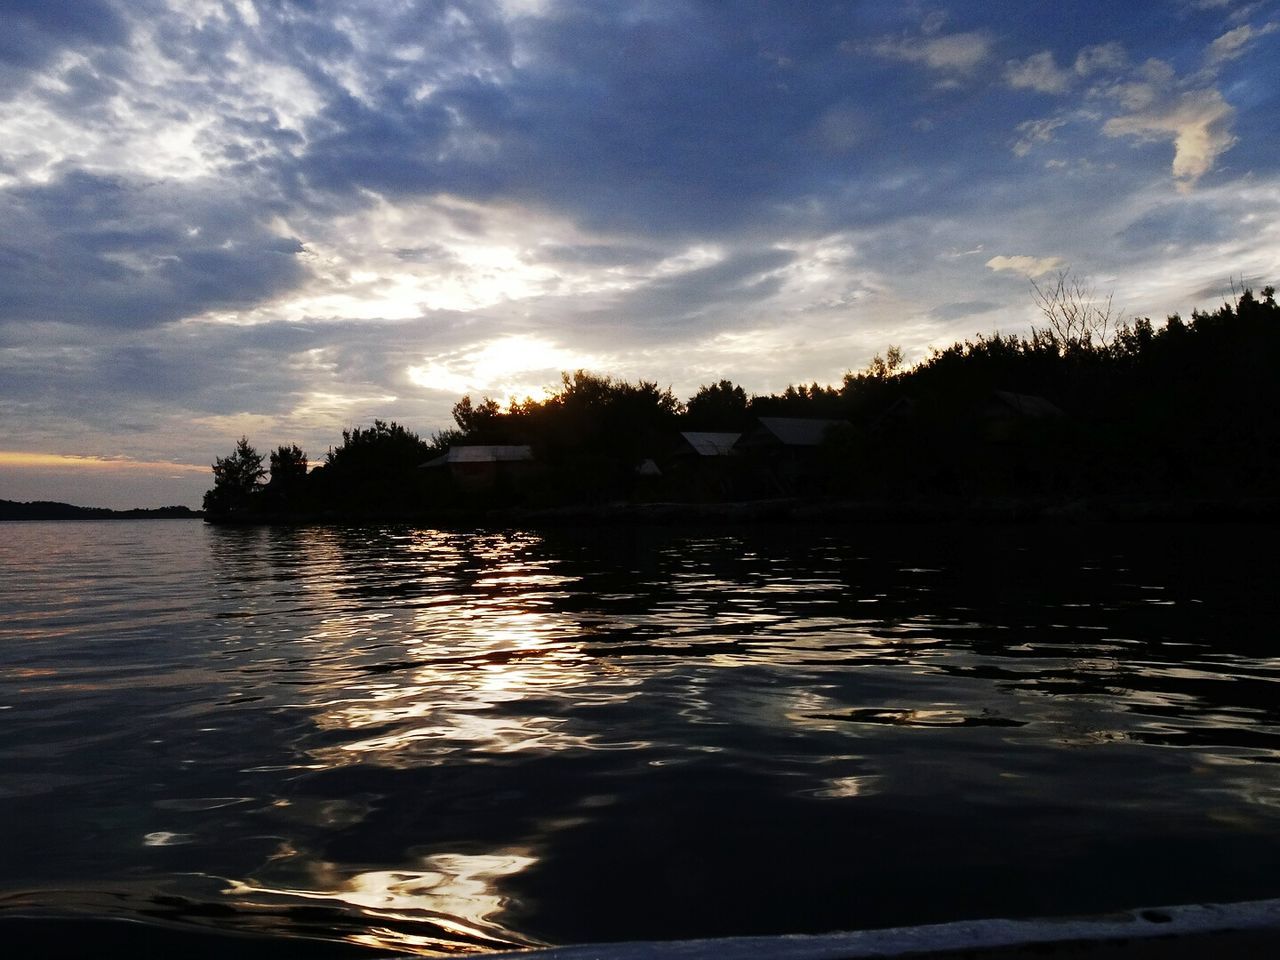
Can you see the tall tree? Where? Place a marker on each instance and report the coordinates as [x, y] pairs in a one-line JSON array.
[[288, 466], [236, 479], [718, 406]]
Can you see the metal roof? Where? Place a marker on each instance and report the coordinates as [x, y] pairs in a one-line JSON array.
[[484, 453], [710, 444], [798, 431]]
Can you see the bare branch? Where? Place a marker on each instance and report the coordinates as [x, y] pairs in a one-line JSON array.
[[1073, 312]]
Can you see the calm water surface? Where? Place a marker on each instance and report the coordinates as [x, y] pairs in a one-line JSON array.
[[447, 741]]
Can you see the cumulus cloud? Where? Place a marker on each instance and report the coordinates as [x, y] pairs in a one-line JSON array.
[[1039, 72], [952, 52], [1234, 42], [1042, 73], [1033, 133], [1149, 102], [1027, 266], [1100, 58], [1198, 122]]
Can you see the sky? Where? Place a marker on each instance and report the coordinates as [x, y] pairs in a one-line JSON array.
[[281, 218]]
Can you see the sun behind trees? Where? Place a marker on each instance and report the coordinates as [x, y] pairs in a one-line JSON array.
[[1183, 410]]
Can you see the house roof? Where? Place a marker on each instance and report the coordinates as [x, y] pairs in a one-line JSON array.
[[483, 453], [1028, 405], [793, 431], [707, 444]]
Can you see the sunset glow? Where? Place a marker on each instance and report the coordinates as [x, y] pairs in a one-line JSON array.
[[239, 218], [20, 460]]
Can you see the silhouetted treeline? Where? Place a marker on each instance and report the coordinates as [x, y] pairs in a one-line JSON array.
[[54, 510], [1075, 410]]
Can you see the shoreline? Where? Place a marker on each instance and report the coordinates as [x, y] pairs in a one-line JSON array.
[[1015, 510]]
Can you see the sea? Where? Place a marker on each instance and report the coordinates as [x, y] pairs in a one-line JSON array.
[[378, 740]]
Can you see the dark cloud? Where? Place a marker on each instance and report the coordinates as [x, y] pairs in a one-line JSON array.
[[102, 251], [33, 30], [683, 306], [597, 255], [688, 117], [965, 308]]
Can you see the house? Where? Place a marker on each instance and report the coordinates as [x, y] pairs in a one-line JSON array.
[[781, 433], [1006, 403], [702, 465], [485, 466], [784, 453], [708, 444], [1005, 414]]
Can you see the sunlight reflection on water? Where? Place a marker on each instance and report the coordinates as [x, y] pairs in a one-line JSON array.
[[435, 742]]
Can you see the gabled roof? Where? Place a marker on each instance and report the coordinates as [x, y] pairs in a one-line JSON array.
[[707, 444], [483, 453], [1028, 405], [791, 431]]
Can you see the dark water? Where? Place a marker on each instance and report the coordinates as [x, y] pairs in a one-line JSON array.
[[435, 741]]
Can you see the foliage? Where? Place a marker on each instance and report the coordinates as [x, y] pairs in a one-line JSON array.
[[475, 419], [375, 470], [718, 406], [1184, 408], [383, 446], [288, 466], [236, 479], [593, 432]]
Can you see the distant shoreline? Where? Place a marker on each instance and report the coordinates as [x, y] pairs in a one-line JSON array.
[[54, 510]]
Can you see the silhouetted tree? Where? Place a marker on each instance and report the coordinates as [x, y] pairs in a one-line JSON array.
[[286, 490], [236, 479], [1075, 314], [288, 466], [798, 400], [383, 446], [718, 406], [888, 365], [375, 470], [476, 419], [1133, 409]]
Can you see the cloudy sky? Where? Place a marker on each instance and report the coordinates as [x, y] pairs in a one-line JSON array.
[[282, 217]]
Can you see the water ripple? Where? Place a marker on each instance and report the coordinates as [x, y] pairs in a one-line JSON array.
[[436, 742]]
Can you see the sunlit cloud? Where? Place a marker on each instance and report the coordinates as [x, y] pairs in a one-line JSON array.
[[28, 460], [1178, 270], [517, 366], [1025, 265], [1198, 123], [1233, 43], [176, 117], [1154, 104]]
